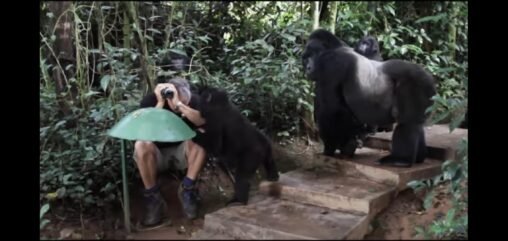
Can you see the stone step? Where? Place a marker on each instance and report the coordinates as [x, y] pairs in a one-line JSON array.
[[331, 189], [210, 235], [273, 218], [441, 144], [363, 164]]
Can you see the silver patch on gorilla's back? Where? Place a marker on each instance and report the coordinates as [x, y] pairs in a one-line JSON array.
[[372, 92], [371, 79]]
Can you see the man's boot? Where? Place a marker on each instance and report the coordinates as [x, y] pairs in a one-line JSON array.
[[155, 207], [189, 197]]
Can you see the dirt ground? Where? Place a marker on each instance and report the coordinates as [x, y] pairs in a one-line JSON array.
[[214, 187], [406, 213], [398, 221]]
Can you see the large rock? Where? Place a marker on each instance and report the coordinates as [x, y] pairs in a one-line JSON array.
[[274, 218], [363, 164], [441, 144], [331, 189]]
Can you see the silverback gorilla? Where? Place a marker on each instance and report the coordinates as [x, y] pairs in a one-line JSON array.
[[352, 131], [376, 93], [229, 136]]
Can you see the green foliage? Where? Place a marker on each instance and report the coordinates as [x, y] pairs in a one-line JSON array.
[[80, 163], [43, 221], [269, 81], [455, 174], [452, 109], [449, 104]]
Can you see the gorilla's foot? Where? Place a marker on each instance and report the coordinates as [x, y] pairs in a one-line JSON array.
[[274, 177], [348, 150], [394, 161], [420, 160], [387, 128]]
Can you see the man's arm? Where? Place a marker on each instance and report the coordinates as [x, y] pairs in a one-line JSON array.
[[175, 104], [191, 114], [155, 99]]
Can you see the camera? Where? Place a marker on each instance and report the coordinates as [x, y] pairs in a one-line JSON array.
[[167, 93]]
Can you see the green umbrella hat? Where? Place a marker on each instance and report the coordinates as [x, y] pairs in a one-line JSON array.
[[152, 124]]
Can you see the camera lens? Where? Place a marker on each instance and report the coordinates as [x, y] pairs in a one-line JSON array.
[[167, 93]]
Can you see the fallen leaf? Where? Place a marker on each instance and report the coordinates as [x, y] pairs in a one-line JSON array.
[[52, 196]]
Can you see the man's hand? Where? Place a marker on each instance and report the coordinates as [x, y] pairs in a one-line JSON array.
[[191, 114], [177, 106], [160, 99]]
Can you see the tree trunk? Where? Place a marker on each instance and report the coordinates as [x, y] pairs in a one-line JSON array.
[[452, 30], [309, 124], [323, 11], [145, 68], [169, 26], [333, 18], [126, 29], [63, 49], [316, 15], [301, 10], [372, 7]]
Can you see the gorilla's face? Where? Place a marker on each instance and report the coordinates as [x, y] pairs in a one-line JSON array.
[[320, 43], [212, 100], [368, 46], [179, 64], [312, 50]]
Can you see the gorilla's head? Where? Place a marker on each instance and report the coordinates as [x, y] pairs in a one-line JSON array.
[[174, 62], [368, 47], [212, 100], [319, 41]]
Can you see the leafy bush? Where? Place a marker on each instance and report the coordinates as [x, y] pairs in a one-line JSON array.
[[455, 173], [78, 161], [270, 86]]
